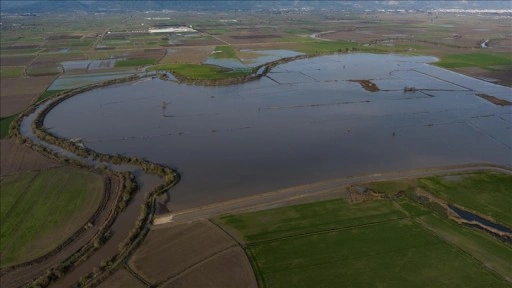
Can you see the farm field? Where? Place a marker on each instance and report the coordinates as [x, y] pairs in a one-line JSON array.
[[39, 210], [310, 111], [18, 158], [199, 71], [166, 253], [229, 268], [122, 278], [18, 93], [342, 243], [486, 193]]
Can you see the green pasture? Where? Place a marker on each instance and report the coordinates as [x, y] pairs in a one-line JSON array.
[[224, 52], [5, 122], [39, 210], [195, 71], [47, 94], [310, 218], [487, 193], [390, 242], [12, 71], [481, 60]]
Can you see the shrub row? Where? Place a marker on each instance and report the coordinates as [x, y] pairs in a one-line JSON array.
[[128, 183]]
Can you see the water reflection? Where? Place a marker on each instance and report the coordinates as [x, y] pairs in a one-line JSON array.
[[277, 132]]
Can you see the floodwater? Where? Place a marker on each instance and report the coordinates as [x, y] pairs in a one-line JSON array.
[[468, 216], [304, 122], [125, 220], [74, 81]]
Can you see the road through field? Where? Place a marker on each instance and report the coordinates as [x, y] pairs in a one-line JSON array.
[[313, 190]]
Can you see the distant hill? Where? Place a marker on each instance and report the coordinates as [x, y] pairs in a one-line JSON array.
[[49, 6]]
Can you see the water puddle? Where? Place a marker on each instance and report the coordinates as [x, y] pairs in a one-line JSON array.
[[484, 224]]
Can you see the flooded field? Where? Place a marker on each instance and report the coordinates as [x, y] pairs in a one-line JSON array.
[[74, 81], [303, 122]]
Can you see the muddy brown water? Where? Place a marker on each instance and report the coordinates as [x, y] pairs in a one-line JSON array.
[[304, 122], [124, 222], [119, 231]]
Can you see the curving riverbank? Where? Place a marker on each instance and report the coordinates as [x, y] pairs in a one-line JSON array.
[[28, 129], [141, 208]]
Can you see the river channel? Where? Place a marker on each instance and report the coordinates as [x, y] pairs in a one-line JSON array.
[[303, 122]]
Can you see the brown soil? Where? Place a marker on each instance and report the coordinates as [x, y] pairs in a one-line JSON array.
[[17, 158], [18, 93], [122, 279], [367, 85], [502, 76], [191, 55], [59, 57], [13, 105], [23, 274], [248, 37], [16, 60], [63, 37], [361, 194], [202, 42], [438, 36], [21, 46], [230, 268], [147, 53], [494, 100], [258, 37], [172, 250]]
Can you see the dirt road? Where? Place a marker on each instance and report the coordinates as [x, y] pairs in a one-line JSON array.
[[317, 190]]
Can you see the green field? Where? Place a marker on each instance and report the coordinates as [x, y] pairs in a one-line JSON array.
[[377, 243], [313, 47], [487, 193], [42, 71], [481, 60], [5, 122], [12, 71], [194, 71], [39, 210], [224, 52], [48, 93], [310, 218]]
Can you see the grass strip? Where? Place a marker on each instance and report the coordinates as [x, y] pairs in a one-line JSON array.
[[486, 61], [5, 122]]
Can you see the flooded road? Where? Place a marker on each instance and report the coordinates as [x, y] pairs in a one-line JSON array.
[[304, 122]]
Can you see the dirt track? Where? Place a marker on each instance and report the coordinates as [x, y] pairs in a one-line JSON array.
[[167, 253], [314, 191], [229, 268], [122, 278]]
